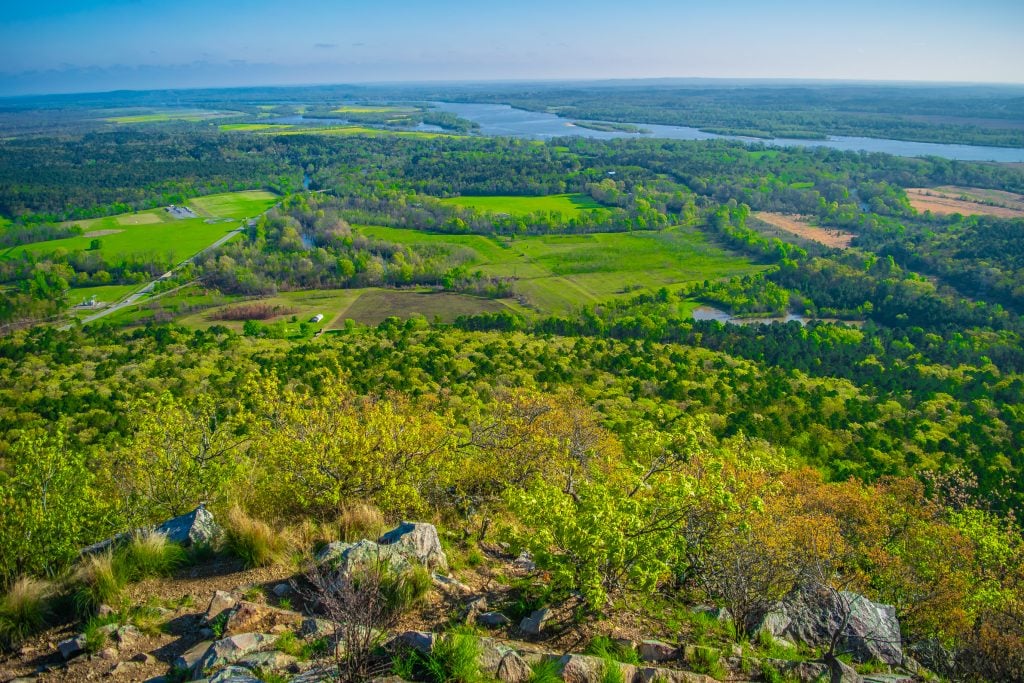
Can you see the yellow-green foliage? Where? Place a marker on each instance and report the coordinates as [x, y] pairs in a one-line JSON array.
[[23, 610], [253, 541]]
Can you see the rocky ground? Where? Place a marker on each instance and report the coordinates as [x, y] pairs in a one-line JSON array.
[[219, 622]]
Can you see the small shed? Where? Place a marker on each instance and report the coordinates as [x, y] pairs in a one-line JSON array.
[[317, 318]]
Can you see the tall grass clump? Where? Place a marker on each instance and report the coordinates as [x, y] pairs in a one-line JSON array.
[[545, 671], [98, 580], [360, 521], [611, 671], [253, 541], [454, 659], [404, 590], [23, 610], [150, 554], [606, 648]]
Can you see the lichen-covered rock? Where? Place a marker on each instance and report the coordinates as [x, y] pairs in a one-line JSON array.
[[581, 669], [493, 619], [343, 556], [313, 627], [234, 674], [72, 646], [418, 540], [868, 630], [421, 641], [195, 528], [187, 660], [271, 660], [220, 602], [229, 650]]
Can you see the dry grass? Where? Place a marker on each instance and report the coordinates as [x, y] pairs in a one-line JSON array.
[[801, 227], [966, 201], [254, 311], [359, 521], [23, 610], [253, 541]]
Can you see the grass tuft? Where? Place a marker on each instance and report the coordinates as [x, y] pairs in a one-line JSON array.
[[611, 671], [253, 541], [150, 554], [454, 659], [605, 647], [360, 521], [545, 671], [23, 610], [99, 580]]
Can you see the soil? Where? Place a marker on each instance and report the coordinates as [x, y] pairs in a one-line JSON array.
[[966, 201], [801, 227]]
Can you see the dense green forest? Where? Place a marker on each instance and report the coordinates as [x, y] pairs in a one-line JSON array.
[[629, 446]]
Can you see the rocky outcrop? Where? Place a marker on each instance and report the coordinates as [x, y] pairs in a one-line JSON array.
[[251, 617], [534, 624], [417, 540], [867, 630], [231, 649], [344, 556]]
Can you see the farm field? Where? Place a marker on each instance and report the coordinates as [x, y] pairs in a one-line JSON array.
[[355, 130], [251, 127], [568, 204], [155, 232], [949, 199], [190, 115], [560, 272], [373, 109], [801, 227]]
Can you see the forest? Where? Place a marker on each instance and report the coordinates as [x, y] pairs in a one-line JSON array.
[[874, 445]]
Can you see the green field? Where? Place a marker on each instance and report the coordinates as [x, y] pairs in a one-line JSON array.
[[373, 109], [568, 204], [356, 130], [561, 272], [250, 127], [155, 232], [191, 115]]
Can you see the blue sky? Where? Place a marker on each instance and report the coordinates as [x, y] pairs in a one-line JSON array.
[[75, 46]]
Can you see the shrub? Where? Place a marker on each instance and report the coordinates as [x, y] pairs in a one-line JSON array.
[[360, 521], [23, 610], [99, 580], [253, 541], [454, 659], [150, 554], [605, 647]]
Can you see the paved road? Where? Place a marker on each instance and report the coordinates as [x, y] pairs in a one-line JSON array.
[[149, 287]]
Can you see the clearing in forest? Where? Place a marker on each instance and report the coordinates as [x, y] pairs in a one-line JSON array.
[[567, 204], [801, 227], [156, 233], [966, 201], [190, 115], [557, 273]]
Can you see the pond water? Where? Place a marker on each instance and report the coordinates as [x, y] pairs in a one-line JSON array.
[[711, 313], [501, 119]]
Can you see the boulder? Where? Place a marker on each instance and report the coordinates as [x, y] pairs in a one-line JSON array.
[[343, 556], [513, 669], [491, 654], [581, 669], [657, 651], [868, 630], [473, 608], [418, 540], [492, 619], [195, 528], [271, 660], [450, 585], [282, 590], [313, 627], [229, 650], [421, 641], [534, 624]]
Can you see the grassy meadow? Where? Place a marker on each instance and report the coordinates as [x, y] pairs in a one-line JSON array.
[[561, 272], [189, 115], [567, 204], [156, 232]]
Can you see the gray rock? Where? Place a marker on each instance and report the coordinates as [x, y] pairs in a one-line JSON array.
[[271, 659], [234, 674], [657, 651], [491, 654], [421, 641], [343, 556], [868, 630], [493, 619], [418, 540], [317, 628], [195, 528], [473, 608], [318, 674], [933, 655], [717, 613], [206, 633], [513, 669], [72, 646], [230, 650], [581, 669], [524, 562], [534, 624], [448, 584], [220, 602], [188, 659], [282, 589], [144, 658]]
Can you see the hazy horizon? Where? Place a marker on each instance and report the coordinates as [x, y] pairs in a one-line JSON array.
[[71, 46]]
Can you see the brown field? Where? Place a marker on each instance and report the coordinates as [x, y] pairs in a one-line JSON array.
[[138, 219], [966, 200], [101, 233], [801, 227]]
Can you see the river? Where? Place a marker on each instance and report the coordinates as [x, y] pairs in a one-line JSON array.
[[501, 119]]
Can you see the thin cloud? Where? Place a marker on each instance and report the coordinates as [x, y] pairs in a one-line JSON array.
[[325, 46]]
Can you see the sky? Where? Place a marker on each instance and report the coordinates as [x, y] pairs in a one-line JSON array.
[[50, 46]]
